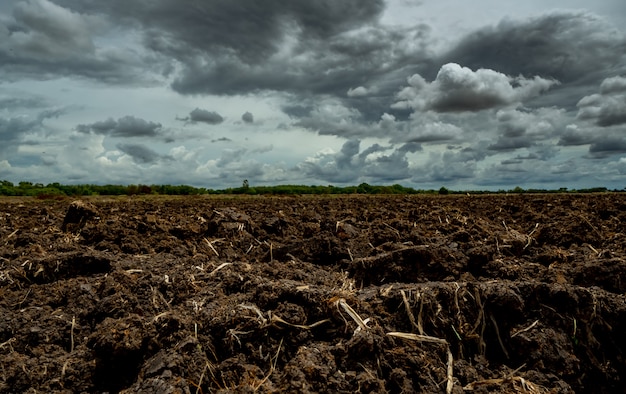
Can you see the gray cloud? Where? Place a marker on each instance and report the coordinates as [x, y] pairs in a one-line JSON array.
[[450, 166], [128, 126], [523, 128], [204, 116], [574, 136], [14, 129], [227, 47], [43, 30], [12, 103], [565, 46], [139, 153], [429, 131], [608, 108], [510, 143], [222, 139], [605, 146], [247, 117], [44, 40], [351, 165]]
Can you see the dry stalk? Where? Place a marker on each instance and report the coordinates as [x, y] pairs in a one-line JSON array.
[[160, 315], [529, 237], [525, 329], [594, 250], [393, 229], [7, 343], [272, 367], [591, 225], [480, 322], [362, 324], [254, 308], [495, 325], [72, 334], [385, 292], [210, 243], [263, 321], [198, 388], [410, 312], [6, 240], [526, 386], [64, 369], [219, 268], [417, 337], [275, 318], [450, 372], [440, 341]]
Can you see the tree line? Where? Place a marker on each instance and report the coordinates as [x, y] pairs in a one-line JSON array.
[[58, 190]]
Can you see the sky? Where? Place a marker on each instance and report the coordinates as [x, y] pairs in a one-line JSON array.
[[480, 95]]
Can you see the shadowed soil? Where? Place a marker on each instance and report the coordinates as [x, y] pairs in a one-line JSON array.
[[479, 294]]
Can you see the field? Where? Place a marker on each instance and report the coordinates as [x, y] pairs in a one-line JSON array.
[[433, 294]]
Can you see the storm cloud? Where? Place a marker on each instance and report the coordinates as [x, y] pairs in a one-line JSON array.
[[565, 46], [139, 153], [607, 108], [354, 91], [247, 117], [204, 116], [128, 126]]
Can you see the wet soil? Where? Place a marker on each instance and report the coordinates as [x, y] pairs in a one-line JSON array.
[[433, 294]]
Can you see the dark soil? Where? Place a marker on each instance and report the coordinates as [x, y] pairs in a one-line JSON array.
[[483, 294]]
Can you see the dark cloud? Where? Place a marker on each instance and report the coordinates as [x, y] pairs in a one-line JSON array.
[[451, 166], [12, 103], [44, 40], [139, 153], [230, 47], [247, 117], [608, 108], [204, 116], [250, 30], [128, 126], [14, 129], [431, 131], [606, 146], [510, 143], [230, 156], [298, 111], [562, 45], [222, 139]]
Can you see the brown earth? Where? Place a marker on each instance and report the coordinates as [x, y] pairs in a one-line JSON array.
[[479, 294]]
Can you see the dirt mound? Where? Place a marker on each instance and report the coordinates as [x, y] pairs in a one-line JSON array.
[[485, 294]]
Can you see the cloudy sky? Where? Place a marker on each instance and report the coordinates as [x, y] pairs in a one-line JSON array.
[[487, 94]]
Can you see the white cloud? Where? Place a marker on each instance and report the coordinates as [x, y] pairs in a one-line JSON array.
[[458, 89], [357, 92]]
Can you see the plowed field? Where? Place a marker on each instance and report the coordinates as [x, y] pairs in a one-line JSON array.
[[433, 294]]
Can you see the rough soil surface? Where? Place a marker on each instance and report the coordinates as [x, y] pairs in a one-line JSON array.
[[479, 294]]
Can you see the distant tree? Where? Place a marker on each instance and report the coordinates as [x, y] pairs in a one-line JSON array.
[[364, 188], [443, 191], [245, 185]]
